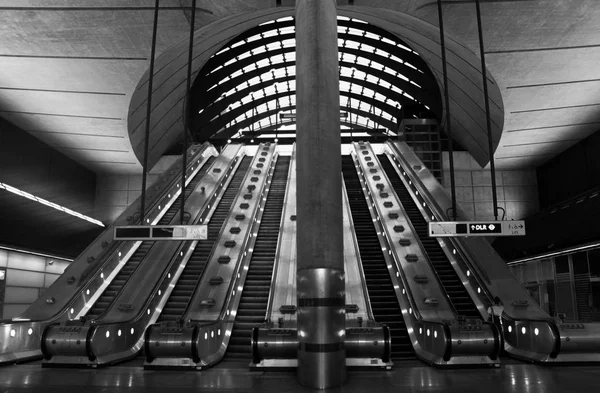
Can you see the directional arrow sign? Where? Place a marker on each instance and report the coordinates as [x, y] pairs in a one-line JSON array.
[[476, 228], [485, 227]]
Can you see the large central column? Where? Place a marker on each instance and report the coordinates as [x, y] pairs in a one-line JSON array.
[[320, 275]]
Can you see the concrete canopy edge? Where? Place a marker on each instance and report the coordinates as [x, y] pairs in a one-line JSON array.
[[465, 91]]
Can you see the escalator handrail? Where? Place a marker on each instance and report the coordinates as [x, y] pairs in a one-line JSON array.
[[182, 245], [346, 204], [378, 226], [416, 238], [113, 249], [152, 247], [245, 260], [222, 230], [152, 206], [464, 255], [288, 195]]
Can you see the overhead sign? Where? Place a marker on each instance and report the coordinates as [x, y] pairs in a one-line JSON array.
[[161, 232], [476, 228]]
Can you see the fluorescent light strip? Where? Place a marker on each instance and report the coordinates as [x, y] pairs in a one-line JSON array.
[[552, 254], [34, 253], [27, 195]]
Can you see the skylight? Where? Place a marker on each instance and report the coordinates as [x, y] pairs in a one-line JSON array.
[[376, 78]]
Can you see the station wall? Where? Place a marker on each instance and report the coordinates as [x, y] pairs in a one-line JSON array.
[[24, 277], [517, 191]]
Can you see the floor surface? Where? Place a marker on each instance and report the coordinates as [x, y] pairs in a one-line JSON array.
[[235, 377]]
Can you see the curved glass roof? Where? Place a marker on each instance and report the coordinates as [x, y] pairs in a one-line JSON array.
[[248, 88]]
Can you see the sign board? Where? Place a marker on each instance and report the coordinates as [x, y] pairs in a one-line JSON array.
[[161, 232], [476, 228]]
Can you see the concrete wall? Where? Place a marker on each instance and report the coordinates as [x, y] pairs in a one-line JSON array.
[[26, 276], [115, 192], [37, 168], [571, 173], [516, 190]]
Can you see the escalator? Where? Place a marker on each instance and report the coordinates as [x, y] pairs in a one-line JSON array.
[[186, 285], [109, 294], [460, 299], [252, 309], [384, 302]]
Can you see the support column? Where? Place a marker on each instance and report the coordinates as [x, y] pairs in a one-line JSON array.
[[320, 274]]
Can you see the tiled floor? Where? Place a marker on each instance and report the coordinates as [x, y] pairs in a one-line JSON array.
[[408, 378]]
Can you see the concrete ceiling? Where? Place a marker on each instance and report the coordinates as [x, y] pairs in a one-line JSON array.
[[68, 68]]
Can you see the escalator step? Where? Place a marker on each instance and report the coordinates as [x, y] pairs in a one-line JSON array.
[[188, 281], [379, 285], [253, 305]]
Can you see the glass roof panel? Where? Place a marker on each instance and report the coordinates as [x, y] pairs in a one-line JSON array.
[[256, 37], [289, 43], [272, 69], [388, 41], [351, 44], [353, 31], [270, 33], [362, 61], [372, 36], [287, 30]]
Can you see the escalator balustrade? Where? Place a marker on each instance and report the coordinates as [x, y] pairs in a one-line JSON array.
[[186, 285], [460, 299], [384, 302], [252, 309], [111, 292]]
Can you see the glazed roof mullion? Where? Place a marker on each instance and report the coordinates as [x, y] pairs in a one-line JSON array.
[[381, 90], [227, 117], [223, 58], [224, 72], [220, 105], [242, 79], [388, 63], [394, 81], [247, 123]]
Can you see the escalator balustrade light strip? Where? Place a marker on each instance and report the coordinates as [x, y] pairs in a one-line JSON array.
[[42, 201]]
